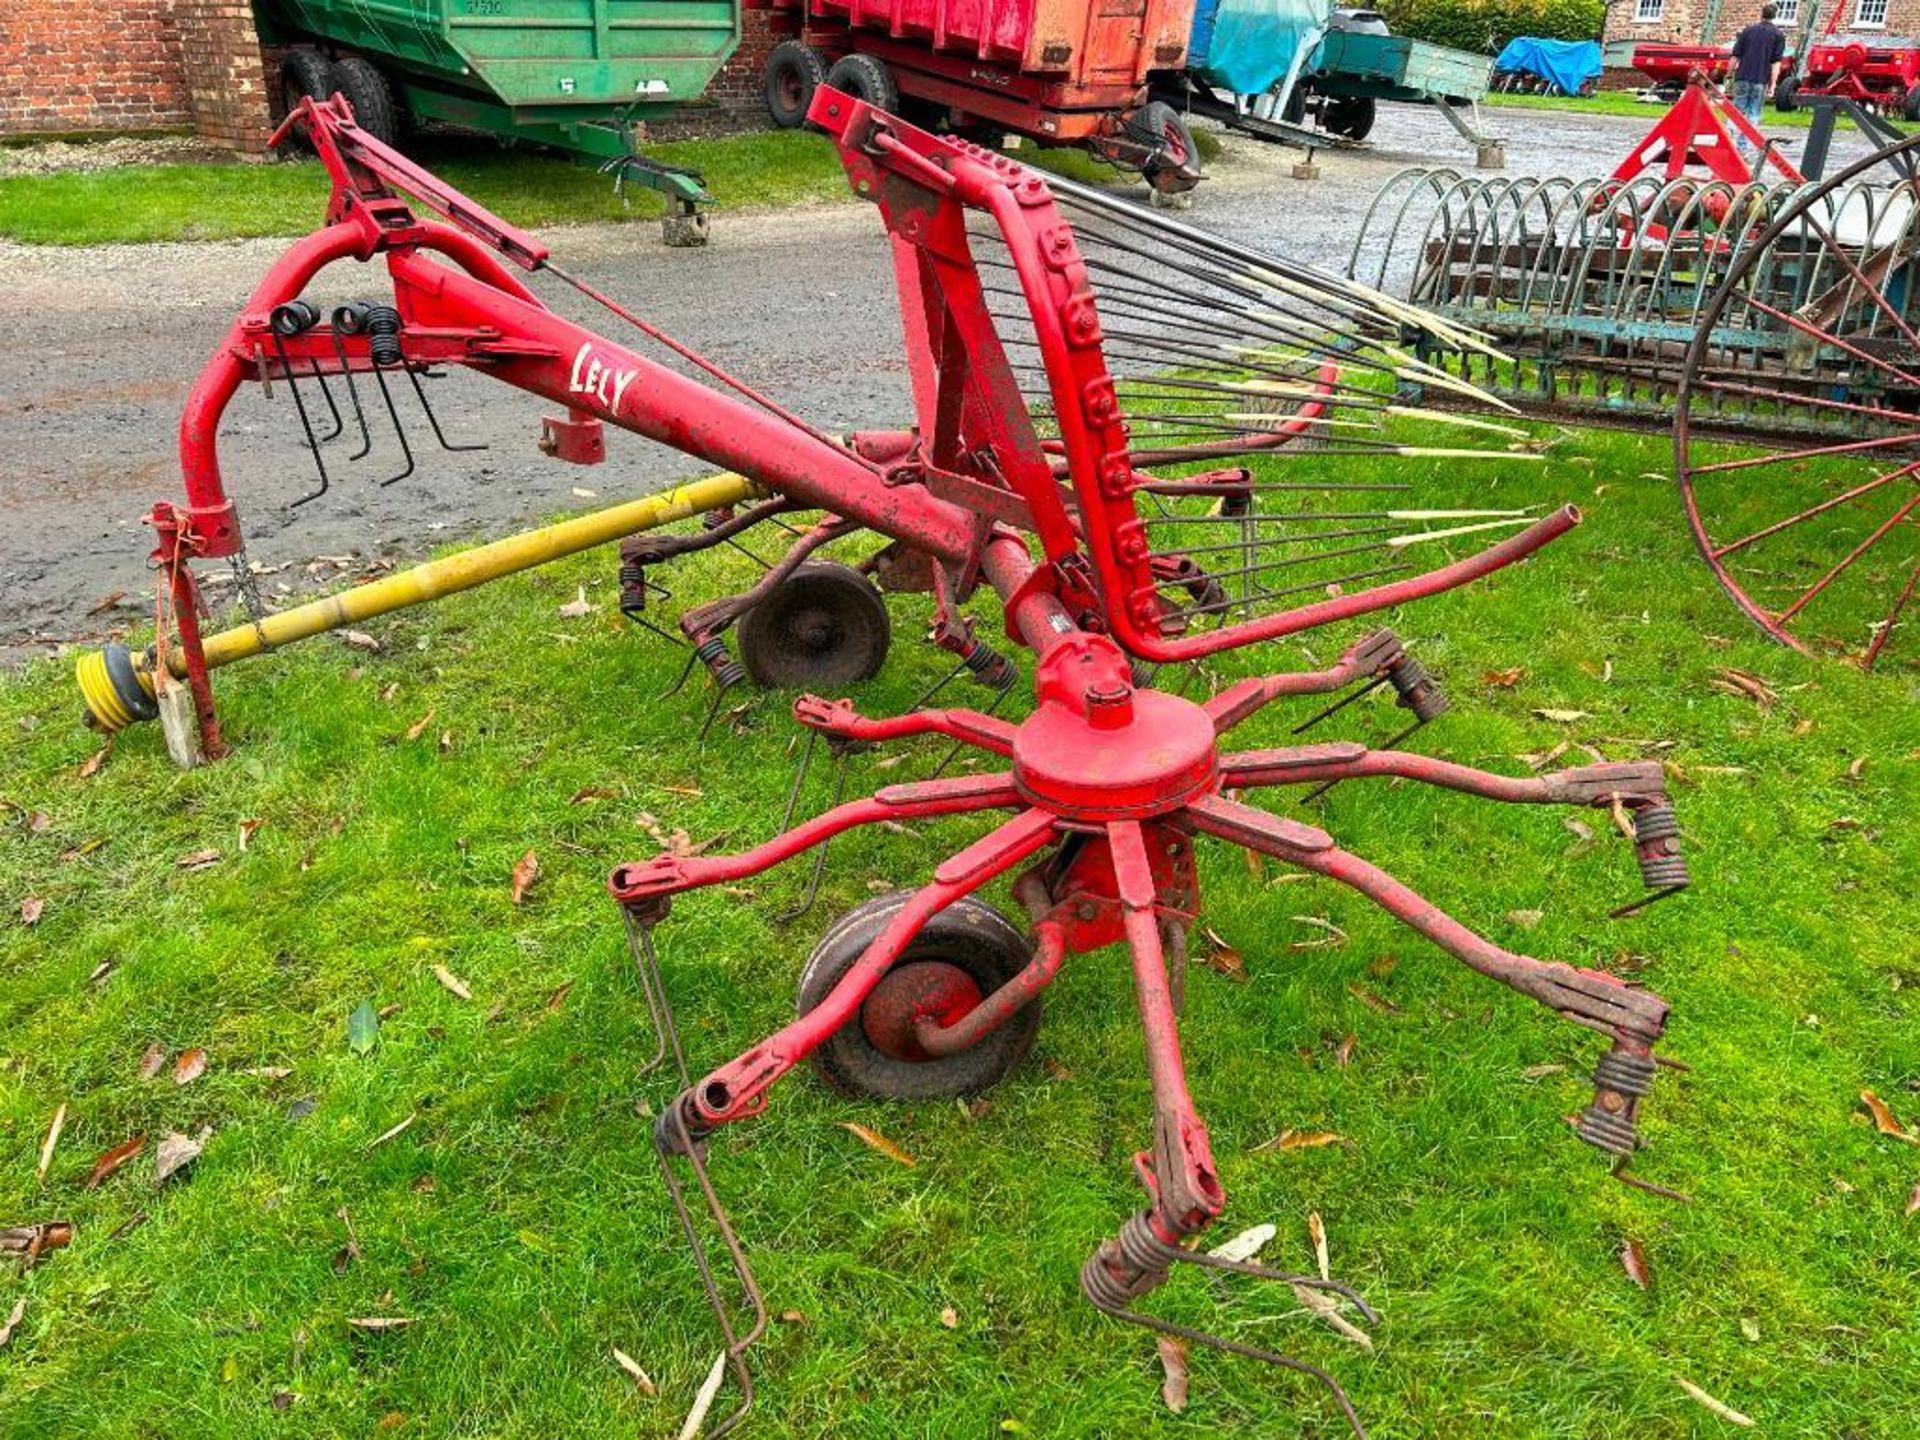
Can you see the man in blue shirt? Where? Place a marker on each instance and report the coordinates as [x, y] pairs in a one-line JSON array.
[[1757, 52]]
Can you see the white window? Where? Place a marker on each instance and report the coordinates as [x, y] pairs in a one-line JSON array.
[[1651, 12], [1788, 12], [1870, 14]]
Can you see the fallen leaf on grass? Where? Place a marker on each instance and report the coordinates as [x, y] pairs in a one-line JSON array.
[[419, 727], [1317, 1233], [1343, 1053], [1540, 1072], [113, 1160], [452, 981], [30, 1242], [525, 872], [640, 1378], [1883, 1119], [1503, 679], [176, 1152], [82, 850], [1173, 1360], [106, 602], [51, 1142], [1222, 958], [152, 1062], [1525, 919], [1912, 1207], [703, 1401], [558, 997], [400, 1129], [360, 640], [249, 829], [363, 1027], [590, 792], [1367, 997], [877, 1141], [349, 1252], [1633, 1259], [373, 1324], [1327, 1308], [949, 1317], [191, 1065], [1055, 1069], [1563, 717], [31, 909], [1335, 935], [269, 1072], [1580, 829], [1300, 1140], [577, 608], [1247, 1244], [90, 767], [13, 1322], [197, 860], [39, 822], [1724, 1411], [1747, 685]]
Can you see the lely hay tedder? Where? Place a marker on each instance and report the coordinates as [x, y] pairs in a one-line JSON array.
[[1089, 383]]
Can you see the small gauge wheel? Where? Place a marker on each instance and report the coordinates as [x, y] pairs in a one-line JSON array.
[[965, 952], [824, 626]]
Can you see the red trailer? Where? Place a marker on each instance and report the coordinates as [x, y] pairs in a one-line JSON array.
[[1062, 72], [1669, 65], [1878, 70]]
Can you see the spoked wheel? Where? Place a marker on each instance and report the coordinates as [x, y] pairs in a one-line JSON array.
[[825, 625], [1797, 426], [965, 953]]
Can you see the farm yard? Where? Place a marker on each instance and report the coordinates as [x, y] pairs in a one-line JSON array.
[[360, 995]]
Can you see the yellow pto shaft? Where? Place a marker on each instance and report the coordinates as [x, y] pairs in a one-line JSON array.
[[117, 684]]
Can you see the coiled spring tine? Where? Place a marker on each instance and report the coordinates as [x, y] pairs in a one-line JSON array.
[[646, 965], [671, 1137], [433, 420], [399, 430], [306, 424], [353, 394]]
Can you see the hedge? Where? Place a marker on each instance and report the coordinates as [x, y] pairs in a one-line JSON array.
[[1488, 24]]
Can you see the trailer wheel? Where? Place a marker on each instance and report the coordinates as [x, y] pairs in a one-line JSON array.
[[824, 626], [1176, 168], [794, 71], [1350, 115], [367, 91], [966, 952], [1786, 95], [868, 79], [304, 75], [1910, 107]]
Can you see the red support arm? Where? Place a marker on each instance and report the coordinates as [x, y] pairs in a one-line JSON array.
[[1632, 782]]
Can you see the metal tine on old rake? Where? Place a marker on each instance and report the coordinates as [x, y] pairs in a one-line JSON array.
[[295, 318], [842, 754], [672, 1139]]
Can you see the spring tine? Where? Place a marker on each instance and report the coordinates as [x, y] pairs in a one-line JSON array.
[[646, 964], [748, 553], [670, 1136], [928, 695], [399, 430], [326, 393], [842, 754], [1622, 1171], [713, 711], [693, 658], [799, 779], [306, 425], [433, 420], [353, 394], [1337, 706]]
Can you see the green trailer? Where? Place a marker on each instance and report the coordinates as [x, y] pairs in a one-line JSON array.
[[1352, 70], [575, 74]]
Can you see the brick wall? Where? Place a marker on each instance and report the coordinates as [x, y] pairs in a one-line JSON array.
[[67, 66], [226, 77]]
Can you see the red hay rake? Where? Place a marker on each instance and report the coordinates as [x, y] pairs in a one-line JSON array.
[[1081, 372]]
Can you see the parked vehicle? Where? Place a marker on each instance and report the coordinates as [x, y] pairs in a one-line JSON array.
[[574, 74], [1062, 72]]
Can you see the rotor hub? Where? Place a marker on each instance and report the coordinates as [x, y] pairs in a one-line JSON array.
[[1118, 754], [933, 989]]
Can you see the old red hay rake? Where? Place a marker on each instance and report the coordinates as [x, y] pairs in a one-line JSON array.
[[1083, 375]]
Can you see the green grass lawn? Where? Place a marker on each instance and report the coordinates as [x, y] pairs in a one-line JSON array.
[[1622, 102], [762, 169], [519, 1220]]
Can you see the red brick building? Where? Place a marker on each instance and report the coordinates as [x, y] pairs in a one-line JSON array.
[[68, 67], [1716, 22]]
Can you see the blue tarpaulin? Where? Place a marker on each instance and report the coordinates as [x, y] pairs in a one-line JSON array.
[[1246, 45], [1567, 63]]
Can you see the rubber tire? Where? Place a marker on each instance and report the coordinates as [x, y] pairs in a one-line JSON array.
[[367, 91], [792, 64], [1786, 95], [1161, 121], [304, 75], [1350, 115], [776, 663], [969, 934], [1910, 107], [868, 79]]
